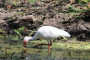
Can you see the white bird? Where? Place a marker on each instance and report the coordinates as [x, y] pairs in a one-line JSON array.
[[47, 33]]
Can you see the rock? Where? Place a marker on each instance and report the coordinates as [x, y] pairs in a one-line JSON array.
[[2, 10], [87, 26], [28, 18], [8, 15], [2, 21], [81, 27], [38, 3]]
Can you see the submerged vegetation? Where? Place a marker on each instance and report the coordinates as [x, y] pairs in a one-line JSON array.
[[69, 49], [18, 31]]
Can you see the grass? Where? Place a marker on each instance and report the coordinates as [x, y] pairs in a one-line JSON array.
[[31, 1]]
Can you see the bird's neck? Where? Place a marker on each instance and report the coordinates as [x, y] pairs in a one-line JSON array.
[[33, 38]]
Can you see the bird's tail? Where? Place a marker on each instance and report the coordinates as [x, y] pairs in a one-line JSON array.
[[66, 34]]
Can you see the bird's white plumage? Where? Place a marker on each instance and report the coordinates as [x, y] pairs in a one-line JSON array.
[[27, 38], [48, 33]]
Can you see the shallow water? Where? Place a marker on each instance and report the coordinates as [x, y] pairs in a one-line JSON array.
[[12, 50]]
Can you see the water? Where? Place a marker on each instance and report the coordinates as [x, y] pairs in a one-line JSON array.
[[39, 55], [12, 50]]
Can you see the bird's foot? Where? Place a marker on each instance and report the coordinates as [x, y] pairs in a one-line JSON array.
[[49, 47]]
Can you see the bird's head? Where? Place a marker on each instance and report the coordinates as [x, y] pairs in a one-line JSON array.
[[25, 41]]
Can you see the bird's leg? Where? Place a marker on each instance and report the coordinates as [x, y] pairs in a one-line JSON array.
[[49, 44]]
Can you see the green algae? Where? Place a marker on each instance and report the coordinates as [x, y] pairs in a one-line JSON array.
[[13, 48]]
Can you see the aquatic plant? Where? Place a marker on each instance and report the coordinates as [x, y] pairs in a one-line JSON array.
[[74, 10], [20, 13], [86, 0], [15, 4], [31, 0], [18, 31], [9, 17]]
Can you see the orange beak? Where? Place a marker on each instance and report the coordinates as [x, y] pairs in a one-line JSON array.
[[24, 44]]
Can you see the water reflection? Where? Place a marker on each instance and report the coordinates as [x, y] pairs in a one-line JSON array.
[[11, 50], [37, 56], [40, 54], [49, 55]]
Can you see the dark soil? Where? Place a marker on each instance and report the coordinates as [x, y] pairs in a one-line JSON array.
[[32, 15]]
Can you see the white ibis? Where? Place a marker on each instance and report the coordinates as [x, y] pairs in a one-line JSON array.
[[47, 33]]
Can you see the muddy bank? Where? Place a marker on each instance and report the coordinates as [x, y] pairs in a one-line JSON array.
[[32, 15]]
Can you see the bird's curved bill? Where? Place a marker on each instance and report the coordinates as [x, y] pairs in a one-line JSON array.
[[24, 43]]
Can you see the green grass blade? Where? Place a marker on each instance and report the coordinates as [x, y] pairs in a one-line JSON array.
[[83, 4], [31, 0]]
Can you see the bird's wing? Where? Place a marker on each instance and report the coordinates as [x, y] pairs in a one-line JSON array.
[[48, 32], [55, 32], [58, 32]]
